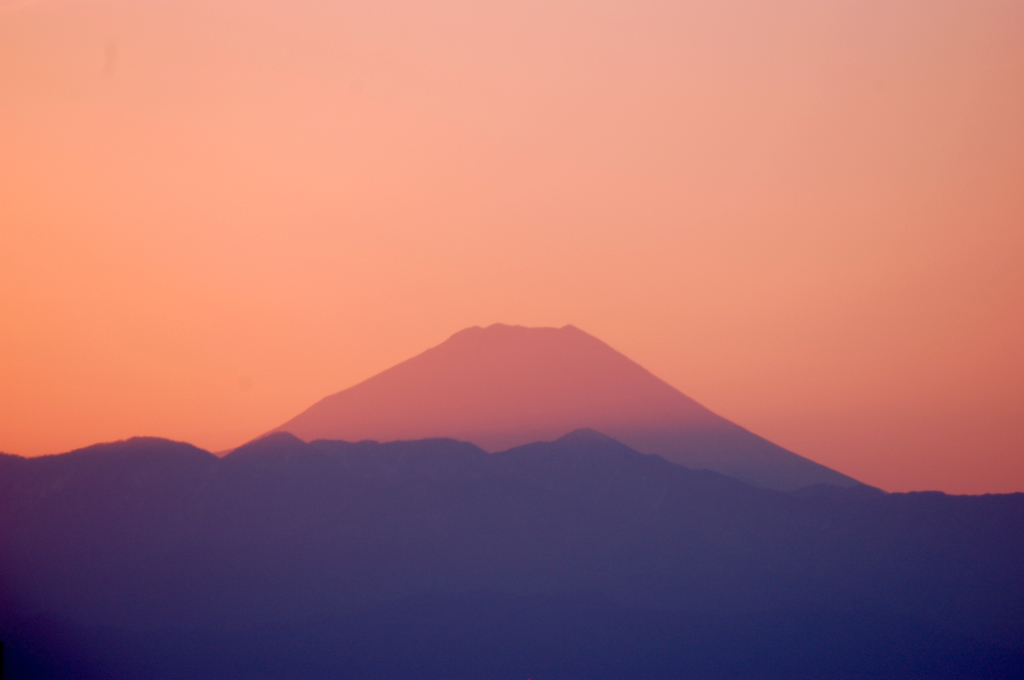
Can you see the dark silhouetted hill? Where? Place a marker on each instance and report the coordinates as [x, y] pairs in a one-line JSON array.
[[504, 386], [578, 558]]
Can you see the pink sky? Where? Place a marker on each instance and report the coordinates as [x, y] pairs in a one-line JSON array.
[[808, 216]]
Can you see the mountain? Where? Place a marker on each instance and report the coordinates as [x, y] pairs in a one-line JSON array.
[[504, 386], [434, 559]]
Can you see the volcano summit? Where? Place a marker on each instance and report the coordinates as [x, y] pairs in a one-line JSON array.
[[504, 386]]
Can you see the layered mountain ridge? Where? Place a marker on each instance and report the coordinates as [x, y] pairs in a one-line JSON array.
[[426, 559]]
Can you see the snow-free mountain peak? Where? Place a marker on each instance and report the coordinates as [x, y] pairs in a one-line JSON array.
[[504, 386]]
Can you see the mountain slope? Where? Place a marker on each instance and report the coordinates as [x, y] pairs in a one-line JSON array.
[[503, 386]]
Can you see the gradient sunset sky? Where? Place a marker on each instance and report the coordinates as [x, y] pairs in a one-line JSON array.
[[807, 215]]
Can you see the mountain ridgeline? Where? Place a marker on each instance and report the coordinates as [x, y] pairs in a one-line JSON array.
[[504, 386], [573, 558]]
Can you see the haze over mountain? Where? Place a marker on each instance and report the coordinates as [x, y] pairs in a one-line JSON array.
[[504, 386]]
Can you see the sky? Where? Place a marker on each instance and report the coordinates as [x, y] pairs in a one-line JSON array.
[[808, 215]]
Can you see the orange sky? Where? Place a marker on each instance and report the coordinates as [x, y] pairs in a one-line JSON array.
[[808, 216]]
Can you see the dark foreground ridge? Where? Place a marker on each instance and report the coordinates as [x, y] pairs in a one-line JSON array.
[[578, 558]]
